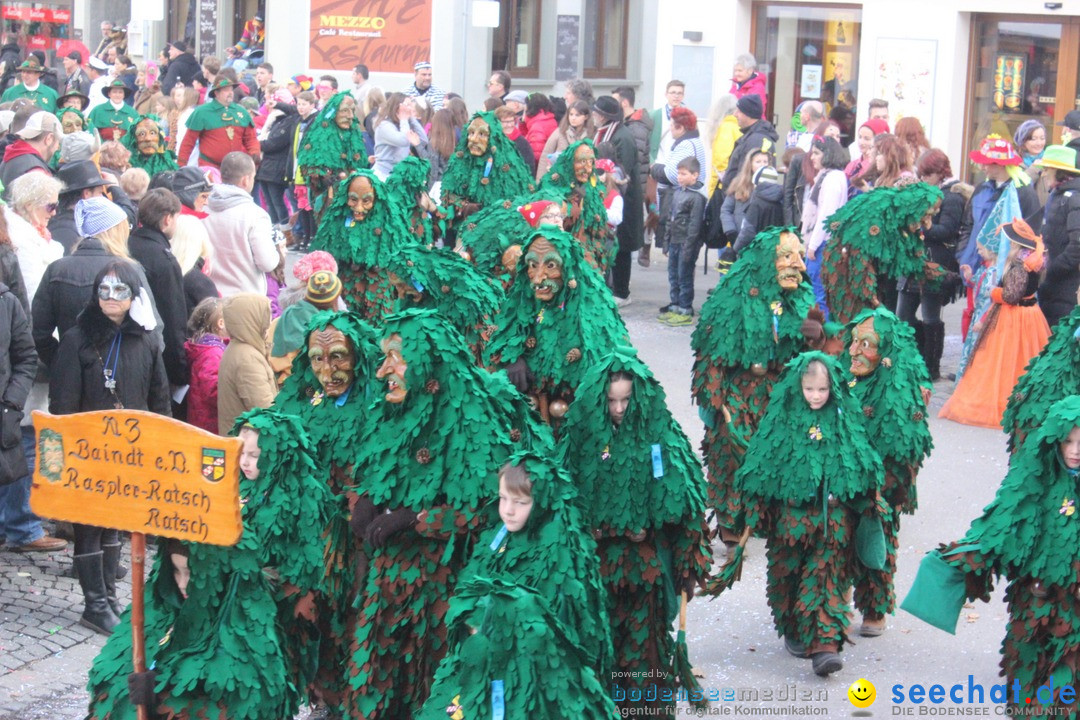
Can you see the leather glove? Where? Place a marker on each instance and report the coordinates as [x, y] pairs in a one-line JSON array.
[[141, 688], [384, 526], [520, 375], [813, 329], [689, 585], [362, 515]]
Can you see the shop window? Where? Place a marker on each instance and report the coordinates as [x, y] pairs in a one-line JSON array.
[[604, 39], [808, 52], [516, 46], [37, 26]]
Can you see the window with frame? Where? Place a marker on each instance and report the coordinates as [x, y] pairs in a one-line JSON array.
[[516, 42], [604, 40]]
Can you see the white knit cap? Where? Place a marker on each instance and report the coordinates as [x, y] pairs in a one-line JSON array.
[[97, 214]]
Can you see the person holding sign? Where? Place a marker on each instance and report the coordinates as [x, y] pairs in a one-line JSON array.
[[229, 630], [110, 360]]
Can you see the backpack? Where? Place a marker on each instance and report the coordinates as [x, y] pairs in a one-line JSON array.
[[712, 231]]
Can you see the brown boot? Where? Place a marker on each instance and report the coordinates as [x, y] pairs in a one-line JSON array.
[[643, 255], [872, 626]]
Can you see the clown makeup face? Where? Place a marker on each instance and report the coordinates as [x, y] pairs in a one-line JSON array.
[[147, 137], [1070, 449], [618, 398], [544, 265], [815, 385], [393, 369], [552, 215], [865, 349], [333, 360], [70, 122], [584, 163], [346, 113], [478, 136], [361, 198], [789, 263], [249, 453], [514, 507]]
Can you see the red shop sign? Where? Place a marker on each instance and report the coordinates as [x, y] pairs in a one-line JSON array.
[[38, 42]]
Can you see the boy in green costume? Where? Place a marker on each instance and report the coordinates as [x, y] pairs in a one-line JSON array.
[[643, 493], [331, 148], [809, 478], [542, 554], [484, 170], [229, 630], [751, 325], [429, 457], [1029, 534], [330, 391], [890, 382], [558, 320], [148, 146], [572, 181], [361, 227], [876, 241]]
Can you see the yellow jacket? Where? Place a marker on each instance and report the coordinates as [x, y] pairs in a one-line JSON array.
[[723, 142]]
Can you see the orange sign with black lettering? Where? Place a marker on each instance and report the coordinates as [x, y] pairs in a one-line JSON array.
[[139, 472], [385, 35]]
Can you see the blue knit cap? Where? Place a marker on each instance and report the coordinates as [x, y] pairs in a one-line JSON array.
[[97, 214]]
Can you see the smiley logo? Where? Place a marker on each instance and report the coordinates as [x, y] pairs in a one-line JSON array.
[[862, 693]]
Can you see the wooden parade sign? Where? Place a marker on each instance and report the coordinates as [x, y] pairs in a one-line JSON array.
[[138, 472]]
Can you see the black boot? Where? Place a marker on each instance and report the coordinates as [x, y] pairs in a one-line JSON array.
[[110, 559], [97, 615], [935, 346]]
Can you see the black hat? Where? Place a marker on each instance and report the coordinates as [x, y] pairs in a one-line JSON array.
[[1072, 120], [179, 45], [80, 175], [188, 183], [70, 94], [117, 83], [750, 106], [609, 107], [220, 84], [75, 55]]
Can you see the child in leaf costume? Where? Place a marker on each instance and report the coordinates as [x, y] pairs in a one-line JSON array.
[[234, 637], [148, 146], [330, 390], [643, 493], [558, 320], [809, 479], [876, 240], [890, 383], [408, 186], [447, 282], [331, 148], [540, 543], [484, 170], [572, 181], [1029, 534], [361, 227], [751, 325], [428, 462], [1052, 375]]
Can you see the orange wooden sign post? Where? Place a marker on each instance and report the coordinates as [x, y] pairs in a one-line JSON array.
[[142, 473]]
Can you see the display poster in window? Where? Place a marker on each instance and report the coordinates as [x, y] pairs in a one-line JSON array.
[[388, 36], [904, 74], [810, 85], [1009, 71], [839, 31]]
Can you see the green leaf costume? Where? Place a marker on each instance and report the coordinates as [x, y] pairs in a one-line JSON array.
[[642, 490], [363, 248], [554, 554], [436, 453], [512, 652], [585, 205], [895, 416], [748, 330], [335, 427], [234, 646], [1051, 375], [1029, 534], [327, 153], [159, 161], [496, 175], [875, 236], [407, 181], [807, 478], [488, 233], [581, 317]]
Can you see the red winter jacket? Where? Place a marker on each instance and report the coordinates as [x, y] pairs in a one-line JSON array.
[[537, 129], [203, 358], [753, 85]]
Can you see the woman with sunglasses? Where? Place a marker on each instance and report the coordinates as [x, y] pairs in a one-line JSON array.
[[34, 202], [111, 359]]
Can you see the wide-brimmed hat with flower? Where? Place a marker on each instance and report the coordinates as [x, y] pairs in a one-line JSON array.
[[995, 150]]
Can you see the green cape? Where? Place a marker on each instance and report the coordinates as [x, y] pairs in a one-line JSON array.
[[104, 116], [164, 160], [471, 179], [212, 115]]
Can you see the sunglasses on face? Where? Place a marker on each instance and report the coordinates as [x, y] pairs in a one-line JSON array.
[[113, 291], [51, 207]]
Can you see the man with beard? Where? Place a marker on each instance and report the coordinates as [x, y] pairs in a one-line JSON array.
[[558, 321], [219, 127], [148, 146], [331, 148], [751, 325], [428, 463]]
